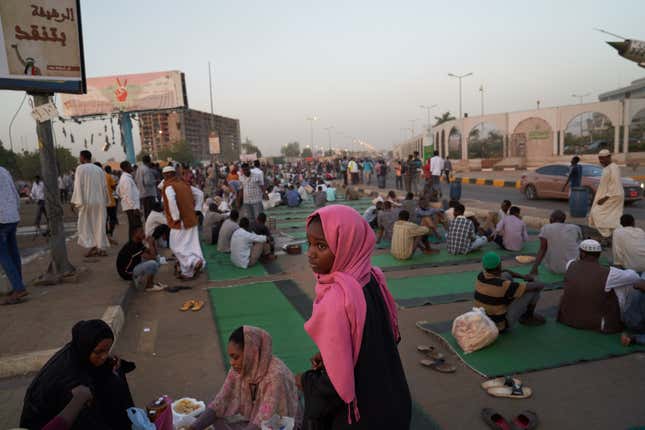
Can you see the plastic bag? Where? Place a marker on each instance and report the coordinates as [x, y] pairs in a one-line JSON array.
[[278, 423], [185, 420], [164, 420], [139, 419], [474, 330]]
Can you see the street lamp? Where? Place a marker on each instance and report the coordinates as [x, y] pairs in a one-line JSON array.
[[311, 120], [329, 129], [581, 96], [413, 122], [460, 77], [428, 108]]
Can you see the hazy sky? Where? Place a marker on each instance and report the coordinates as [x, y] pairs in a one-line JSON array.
[[363, 67]]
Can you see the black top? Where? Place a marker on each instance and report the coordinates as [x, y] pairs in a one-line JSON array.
[[128, 258], [263, 230], [382, 392]]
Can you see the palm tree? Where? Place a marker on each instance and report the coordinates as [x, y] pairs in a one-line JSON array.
[[445, 117]]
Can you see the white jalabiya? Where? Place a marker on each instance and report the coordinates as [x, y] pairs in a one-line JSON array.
[[606, 217], [91, 198], [628, 246], [184, 242]]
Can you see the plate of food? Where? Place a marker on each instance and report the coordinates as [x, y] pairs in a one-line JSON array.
[[185, 411], [525, 259]]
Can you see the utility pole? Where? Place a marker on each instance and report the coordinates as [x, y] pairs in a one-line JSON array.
[[210, 86], [581, 97], [460, 77], [329, 129], [311, 120], [481, 90], [59, 266]]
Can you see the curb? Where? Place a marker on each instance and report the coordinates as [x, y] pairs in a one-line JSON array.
[[489, 182], [31, 362]]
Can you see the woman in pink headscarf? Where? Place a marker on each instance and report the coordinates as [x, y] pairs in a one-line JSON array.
[[357, 381], [258, 386]]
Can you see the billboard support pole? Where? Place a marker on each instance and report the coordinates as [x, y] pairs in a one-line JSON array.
[[126, 135], [59, 266]]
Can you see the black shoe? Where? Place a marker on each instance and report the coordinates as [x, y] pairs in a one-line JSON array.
[[532, 320]]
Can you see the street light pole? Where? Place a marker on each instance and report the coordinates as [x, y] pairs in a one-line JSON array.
[[460, 77], [329, 129], [428, 108], [481, 90], [210, 86], [413, 122], [581, 96], [311, 120]]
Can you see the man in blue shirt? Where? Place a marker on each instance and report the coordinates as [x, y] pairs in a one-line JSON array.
[[293, 197], [575, 174]]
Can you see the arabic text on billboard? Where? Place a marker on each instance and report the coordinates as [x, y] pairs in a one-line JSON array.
[[41, 46], [213, 143], [127, 93]]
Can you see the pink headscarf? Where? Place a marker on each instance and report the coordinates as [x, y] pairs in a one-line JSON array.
[[338, 318]]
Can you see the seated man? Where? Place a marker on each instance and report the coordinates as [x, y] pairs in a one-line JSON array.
[[558, 244], [293, 197], [351, 193], [247, 247], [505, 301], [371, 213], [260, 227], [391, 197], [331, 194], [628, 245], [503, 209], [212, 223], [302, 190], [633, 314], [407, 237], [385, 221], [430, 217], [226, 231], [511, 233], [137, 261], [461, 237], [589, 300], [320, 197], [410, 205]]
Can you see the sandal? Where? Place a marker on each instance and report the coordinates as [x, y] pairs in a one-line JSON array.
[[494, 419], [430, 351], [199, 304], [101, 253], [526, 420], [516, 391], [439, 365], [188, 304], [500, 382]]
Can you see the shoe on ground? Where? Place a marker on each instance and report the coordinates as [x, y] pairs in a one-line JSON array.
[[533, 320], [155, 288]]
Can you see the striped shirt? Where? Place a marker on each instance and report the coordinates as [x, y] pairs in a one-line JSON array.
[[494, 294], [403, 235]]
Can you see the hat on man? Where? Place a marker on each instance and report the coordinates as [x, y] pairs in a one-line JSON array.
[[168, 169], [491, 260], [604, 153], [590, 245]]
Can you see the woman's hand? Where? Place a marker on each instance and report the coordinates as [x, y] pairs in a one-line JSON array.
[[317, 362]]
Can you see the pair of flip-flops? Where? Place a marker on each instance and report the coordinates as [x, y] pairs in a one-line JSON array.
[[194, 305], [435, 360], [526, 420], [507, 387]]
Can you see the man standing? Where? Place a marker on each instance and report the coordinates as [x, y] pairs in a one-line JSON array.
[[447, 169], [147, 184], [608, 204], [179, 206], [353, 169], [558, 244], [9, 254], [251, 192], [414, 174], [628, 245], [91, 197], [112, 220], [343, 169], [574, 179], [130, 198], [38, 196], [436, 167], [408, 173]]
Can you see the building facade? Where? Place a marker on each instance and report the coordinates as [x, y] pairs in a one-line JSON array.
[[163, 129]]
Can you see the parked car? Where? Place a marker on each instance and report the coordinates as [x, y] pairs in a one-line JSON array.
[[547, 182]]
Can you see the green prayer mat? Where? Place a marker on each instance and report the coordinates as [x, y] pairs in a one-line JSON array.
[[452, 287], [527, 349], [387, 262], [220, 268], [263, 305]]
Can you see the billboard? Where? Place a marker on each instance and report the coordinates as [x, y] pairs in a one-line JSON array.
[[128, 93], [41, 46], [213, 143]]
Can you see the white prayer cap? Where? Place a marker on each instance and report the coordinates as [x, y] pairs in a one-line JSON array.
[[590, 245], [168, 169], [604, 153]]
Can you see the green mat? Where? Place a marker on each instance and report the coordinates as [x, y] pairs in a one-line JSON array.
[[387, 262], [527, 349], [220, 268], [263, 305], [451, 287]]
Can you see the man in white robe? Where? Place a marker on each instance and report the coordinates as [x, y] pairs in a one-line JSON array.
[[91, 198], [608, 203], [180, 206], [628, 245]]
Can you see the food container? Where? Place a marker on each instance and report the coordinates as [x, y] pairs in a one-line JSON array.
[[185, 411], [293, 249]]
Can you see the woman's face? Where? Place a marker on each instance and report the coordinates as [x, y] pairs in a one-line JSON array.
[[236, 355], [320, 256], [101, 352]]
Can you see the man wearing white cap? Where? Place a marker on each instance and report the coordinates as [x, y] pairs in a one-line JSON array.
[[608, 203], [179, 207]]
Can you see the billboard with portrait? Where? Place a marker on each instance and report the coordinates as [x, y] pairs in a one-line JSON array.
[[128, 93], [41, 46]]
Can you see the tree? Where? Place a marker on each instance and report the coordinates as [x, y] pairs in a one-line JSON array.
[[180, 152], [291, 149], [9, 160], [249, 148], [306, 152], [445, 117]]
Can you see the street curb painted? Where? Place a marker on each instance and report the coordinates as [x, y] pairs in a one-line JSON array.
[[489, 182], [31, 362]]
